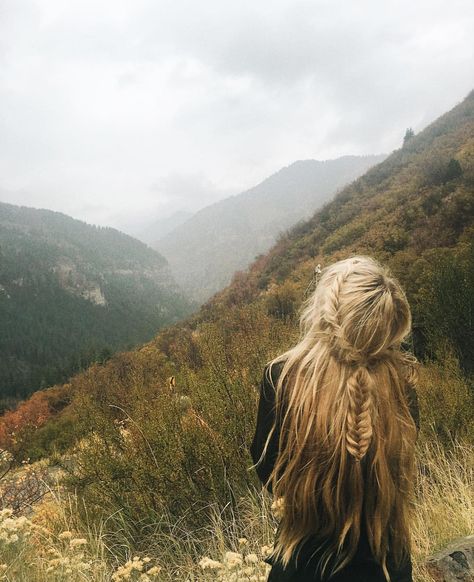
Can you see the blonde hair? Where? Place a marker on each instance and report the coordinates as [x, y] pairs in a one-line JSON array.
[[347, 438]]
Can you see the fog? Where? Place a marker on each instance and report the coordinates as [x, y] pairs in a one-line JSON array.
[[116, 112]]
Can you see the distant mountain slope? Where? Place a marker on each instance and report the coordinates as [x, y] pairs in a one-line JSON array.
[[71, 292], [161, 227], [220, 239]]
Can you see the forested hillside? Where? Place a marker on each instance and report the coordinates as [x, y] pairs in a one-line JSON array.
[[165, 429], [225, 237], [71, 294]]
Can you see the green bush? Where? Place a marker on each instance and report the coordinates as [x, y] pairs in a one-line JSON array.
[[446, 303], [446, 399]]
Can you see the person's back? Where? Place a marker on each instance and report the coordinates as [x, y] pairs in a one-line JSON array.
[[336, 432]]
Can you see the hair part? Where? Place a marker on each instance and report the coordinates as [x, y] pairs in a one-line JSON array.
[[346, 449]]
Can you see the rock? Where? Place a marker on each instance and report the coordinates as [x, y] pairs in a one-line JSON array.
[[455, 563]]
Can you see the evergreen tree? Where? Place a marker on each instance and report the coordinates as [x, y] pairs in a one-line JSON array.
[[408, 135]]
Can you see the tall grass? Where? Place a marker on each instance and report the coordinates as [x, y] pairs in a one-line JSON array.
[[233, 545], [445, 499]]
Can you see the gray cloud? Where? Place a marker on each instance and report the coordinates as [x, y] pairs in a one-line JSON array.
[[116, 109]]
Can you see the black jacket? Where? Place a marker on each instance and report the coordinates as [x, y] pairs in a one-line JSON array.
[[363, 567]]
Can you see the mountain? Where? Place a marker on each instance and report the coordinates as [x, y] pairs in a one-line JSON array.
[[161, 227], [225, 237], [152, 230], [71, 293]]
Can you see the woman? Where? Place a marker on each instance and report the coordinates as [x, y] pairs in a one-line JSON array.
[[336, 430]]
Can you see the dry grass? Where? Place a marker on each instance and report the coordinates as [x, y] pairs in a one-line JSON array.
[[235, 543], [445, 499]]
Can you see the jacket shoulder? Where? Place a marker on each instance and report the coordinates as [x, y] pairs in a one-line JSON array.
[[272, 372]]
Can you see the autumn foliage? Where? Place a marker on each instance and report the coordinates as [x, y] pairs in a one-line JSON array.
[[16, 426]]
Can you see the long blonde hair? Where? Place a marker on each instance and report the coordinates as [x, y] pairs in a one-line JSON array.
[[347, 438]]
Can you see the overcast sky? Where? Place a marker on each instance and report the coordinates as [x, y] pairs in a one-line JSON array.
[[117, 111]]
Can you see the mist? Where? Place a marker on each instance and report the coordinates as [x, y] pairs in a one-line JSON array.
[[119, 112]]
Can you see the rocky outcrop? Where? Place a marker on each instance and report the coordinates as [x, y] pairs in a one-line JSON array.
[[75, 282], [94, 295], [455, 563]]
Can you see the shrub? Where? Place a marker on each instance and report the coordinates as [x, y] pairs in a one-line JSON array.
[[154, 445], [282, 301], [446, 303], [446, 400]]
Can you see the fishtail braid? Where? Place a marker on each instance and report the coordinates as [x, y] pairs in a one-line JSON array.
[[358, 432]]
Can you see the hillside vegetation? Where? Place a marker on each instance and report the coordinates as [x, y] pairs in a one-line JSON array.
[[72, 293], [225, 237], [155, 438]]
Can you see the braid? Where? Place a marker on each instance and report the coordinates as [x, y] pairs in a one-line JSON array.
[[339, 347], [359, 413], [330, 313]]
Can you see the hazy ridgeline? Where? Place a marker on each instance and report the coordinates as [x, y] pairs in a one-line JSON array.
[[154, 442], [205, 250]]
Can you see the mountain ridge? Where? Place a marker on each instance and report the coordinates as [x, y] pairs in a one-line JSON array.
[[227, 235]]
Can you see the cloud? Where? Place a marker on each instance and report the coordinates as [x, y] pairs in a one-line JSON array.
[[116, 108]]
